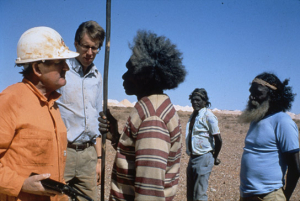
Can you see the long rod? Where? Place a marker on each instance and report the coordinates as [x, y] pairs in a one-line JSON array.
[[105, 90]]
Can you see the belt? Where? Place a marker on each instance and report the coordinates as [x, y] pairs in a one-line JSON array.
[[195, 156], [255, 198], [80, 147]]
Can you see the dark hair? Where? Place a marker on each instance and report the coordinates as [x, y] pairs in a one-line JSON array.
[[280, 99], [202, 93], [156, 60], [93, 29], [27, 70]]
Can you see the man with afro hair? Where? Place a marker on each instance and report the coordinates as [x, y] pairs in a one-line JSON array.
[[271, 145], [147, 163]]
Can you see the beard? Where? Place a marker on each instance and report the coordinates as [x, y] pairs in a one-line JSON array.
[[254, 111]]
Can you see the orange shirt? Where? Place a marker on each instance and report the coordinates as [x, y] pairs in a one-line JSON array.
[[33, 138]]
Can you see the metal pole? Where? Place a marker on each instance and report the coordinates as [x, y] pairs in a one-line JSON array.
[[105, 89]]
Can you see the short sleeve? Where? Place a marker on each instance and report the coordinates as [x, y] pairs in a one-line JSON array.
[[212, 123], [287, 135]]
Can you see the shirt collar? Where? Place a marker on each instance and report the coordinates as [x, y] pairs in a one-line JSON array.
[[52, 98], [203, 110], [76, 66]]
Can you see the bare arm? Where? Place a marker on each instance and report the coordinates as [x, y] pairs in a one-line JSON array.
[[98, 146], [218, 146], [292, 174]]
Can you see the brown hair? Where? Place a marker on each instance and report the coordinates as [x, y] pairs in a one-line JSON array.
[[93, 29]]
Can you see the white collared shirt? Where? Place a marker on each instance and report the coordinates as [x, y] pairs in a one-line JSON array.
[[81, 102], [206, 125]]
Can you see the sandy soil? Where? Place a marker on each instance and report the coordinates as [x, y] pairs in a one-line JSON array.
[[224, 179]]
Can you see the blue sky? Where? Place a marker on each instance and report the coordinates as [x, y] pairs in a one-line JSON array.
[[225, 44]]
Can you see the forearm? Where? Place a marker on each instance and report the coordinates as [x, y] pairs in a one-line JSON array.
[[98, 146], [293, 173], [291, 182], [218, 145]]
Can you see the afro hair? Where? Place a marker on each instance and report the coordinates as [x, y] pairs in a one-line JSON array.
[[157, 62], [282, 98]]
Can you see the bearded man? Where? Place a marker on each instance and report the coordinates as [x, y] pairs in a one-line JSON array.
[[271, 144]]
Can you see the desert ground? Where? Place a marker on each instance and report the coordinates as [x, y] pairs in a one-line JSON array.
[[224, 179]]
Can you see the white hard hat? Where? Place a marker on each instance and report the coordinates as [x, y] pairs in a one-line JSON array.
[[42, 43]]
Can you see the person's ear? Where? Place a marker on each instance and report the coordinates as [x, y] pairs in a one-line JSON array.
[[76, 44], [36, 69]]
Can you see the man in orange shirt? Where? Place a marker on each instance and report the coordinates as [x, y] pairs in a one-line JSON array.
[[33, 135]]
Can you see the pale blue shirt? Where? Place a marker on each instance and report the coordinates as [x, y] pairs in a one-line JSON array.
[[263, 166], [81, 102], [205, 126]]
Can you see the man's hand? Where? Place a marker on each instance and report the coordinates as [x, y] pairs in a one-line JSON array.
[[217, 161], [33, 185], [110, 125]]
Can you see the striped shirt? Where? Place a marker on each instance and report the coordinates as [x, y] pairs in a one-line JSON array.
[[147, 162]]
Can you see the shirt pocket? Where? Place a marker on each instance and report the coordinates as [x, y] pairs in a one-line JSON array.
[[36, 148]]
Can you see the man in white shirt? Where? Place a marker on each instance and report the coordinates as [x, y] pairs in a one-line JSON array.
[[80, 104]]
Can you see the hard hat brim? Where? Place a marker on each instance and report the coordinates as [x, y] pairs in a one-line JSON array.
[[67, 54]]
